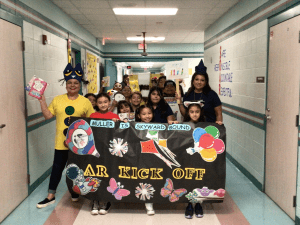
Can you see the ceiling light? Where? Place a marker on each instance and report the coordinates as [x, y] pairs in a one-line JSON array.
[[146, 11], [147, 38]]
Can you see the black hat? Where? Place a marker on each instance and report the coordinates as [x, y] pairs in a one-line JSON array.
[[200, 69]]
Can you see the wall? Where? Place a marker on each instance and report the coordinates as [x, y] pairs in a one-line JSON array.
[[240, 39]]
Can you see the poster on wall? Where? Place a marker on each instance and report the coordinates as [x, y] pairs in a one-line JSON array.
[[146, 162], [177, 69], [91, 67], [106, 81]]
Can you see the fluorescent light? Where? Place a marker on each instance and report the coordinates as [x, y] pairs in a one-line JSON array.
[[147, 38], [146, 11], [146, 64]]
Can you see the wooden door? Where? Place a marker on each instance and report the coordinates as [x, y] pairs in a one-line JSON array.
[[13, 160], [282, 108]]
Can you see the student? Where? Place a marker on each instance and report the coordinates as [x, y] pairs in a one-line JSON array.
[[162, 111], [124, 107], [145, 114], [113, 107], [161, 81], [102, 105], [126, 91], [135, 100], [125, 81], [92, 98], [194, 114]]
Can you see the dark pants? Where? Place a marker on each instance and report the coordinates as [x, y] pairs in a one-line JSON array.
[[59, 163]]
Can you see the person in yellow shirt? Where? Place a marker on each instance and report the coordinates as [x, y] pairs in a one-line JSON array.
[[62, 107]]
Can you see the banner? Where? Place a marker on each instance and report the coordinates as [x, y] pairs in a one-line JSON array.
[[146, 162]]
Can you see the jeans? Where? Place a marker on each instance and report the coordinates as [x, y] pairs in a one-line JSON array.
[[59, 163]]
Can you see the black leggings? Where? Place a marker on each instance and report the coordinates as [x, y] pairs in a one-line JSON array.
[[59, 163]]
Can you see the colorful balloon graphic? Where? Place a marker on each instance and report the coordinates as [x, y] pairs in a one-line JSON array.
[[213, 131], [208, 155], [80, 139], [219, 146], [198, 132], [206, 141]]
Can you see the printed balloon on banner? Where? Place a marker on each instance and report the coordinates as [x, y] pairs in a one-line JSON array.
[[80, 139]]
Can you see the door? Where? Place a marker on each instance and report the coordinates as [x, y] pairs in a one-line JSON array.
[[282, 108], [13, 160]]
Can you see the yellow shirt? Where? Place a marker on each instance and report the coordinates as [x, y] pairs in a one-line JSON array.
[[62, 107]]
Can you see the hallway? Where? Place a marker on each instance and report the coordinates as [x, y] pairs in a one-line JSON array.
[[243, 204]]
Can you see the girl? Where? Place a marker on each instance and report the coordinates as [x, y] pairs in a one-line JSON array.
[[135, 100], [92, 98], [145, 114], [102, 105], [194, 113], [124, 107], [162, 111]]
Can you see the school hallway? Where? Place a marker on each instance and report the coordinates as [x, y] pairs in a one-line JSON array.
[[243, 204]]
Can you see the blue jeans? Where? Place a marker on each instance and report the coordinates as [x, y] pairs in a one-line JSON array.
[[59, 163]]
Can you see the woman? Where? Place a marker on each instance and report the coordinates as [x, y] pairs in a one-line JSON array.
[[64, 106], [125, 81], [200, 90]]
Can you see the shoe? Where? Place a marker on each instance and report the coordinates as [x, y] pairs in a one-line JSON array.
[[95, 208], [198, 210], [149, 209], [75, 197], [189, 211], [104, 208], [45, 203]]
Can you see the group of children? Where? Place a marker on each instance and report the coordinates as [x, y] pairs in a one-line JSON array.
[[156, 109]]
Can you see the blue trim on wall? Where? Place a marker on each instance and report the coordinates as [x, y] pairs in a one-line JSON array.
[[38, 115], [40, 180], [40, 124], [247, 111], [245, 172]]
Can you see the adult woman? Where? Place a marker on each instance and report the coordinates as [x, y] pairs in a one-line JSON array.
[[64, 106], [200, 90], [125, 81]]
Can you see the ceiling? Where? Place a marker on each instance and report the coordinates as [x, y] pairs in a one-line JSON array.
[[187, 26], [156, 65]]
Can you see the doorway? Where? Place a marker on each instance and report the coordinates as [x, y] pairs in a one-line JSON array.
[[282, 109], [13, 160]]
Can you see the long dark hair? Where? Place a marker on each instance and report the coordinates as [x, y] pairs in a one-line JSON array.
[[139, 110], [187, 117], [162, 104], [99, 96], [206, 88], [125, 103]]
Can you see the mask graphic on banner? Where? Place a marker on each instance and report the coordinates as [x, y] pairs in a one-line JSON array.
[[207, 144], [81, 185], [80, 139]]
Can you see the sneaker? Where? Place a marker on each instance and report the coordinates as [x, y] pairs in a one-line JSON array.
[[45, 203], [104, 208], [149, 209], [189, 211], [198, 210], [75, 197], [95, 208]]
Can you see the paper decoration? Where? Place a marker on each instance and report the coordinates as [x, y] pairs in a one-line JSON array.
[[91, 61], [134, 83], [36, 87], [106, 81]]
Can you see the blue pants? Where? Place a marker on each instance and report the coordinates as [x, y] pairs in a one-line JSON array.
[[59, 163]]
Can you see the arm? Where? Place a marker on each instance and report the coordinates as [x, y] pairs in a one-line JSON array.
[[46, 112], [180, 105], [101, 88], [219, 117], [113, 105]]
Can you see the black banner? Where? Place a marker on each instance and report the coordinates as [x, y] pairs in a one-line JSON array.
[[146, 162]]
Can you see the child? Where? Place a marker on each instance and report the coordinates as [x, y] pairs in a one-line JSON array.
[[162, 111], [194, 114], [102, 105], [126, 91], [92, 98], [135, 100], [145, 114], [124, 107]]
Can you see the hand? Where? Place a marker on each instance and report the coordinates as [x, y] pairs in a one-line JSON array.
[[115, 119], [173, 122], [219, 122], [125, 121], [114, 103], [42, 99], [102, 81]]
